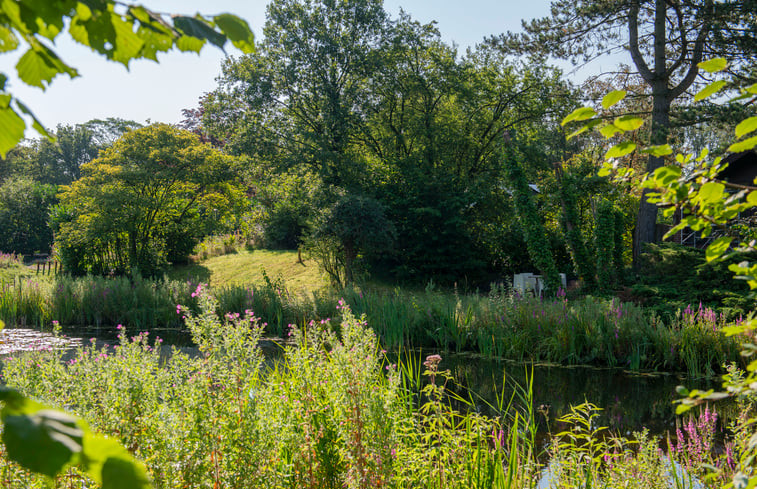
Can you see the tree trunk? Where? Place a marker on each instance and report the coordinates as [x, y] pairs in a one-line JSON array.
[[647, 218]]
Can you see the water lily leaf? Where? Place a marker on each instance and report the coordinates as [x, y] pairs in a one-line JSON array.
[[713, 65], [709, 90], [580, 114], [620, 150], [613, 98]]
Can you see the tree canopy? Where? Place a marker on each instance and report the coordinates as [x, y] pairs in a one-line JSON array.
[[145, 201]]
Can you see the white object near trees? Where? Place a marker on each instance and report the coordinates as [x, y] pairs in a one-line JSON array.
[[525, 283]]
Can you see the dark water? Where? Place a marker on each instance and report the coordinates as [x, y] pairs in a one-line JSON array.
[[628, 401]]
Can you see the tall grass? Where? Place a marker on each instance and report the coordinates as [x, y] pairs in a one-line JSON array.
[[588, 330], [332, 413]]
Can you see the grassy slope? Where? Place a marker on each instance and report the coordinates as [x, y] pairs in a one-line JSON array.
[[246, 267], [8, 274]]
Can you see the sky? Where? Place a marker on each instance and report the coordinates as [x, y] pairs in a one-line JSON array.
[[159, 91]]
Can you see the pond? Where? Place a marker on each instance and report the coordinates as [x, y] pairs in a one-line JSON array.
[[628, 401]]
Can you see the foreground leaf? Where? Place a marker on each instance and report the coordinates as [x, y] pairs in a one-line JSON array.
[[620, 150]]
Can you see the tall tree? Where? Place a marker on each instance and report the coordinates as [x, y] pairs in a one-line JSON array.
[[297, 95], [665, 39], [147, 198]]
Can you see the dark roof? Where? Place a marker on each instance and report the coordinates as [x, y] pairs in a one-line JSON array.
[[742, 168]]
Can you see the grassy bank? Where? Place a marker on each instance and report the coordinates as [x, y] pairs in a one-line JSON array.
[[334, 413], [587, 330]]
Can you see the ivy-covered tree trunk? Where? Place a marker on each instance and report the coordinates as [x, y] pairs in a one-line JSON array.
[[605, 244], [536, 235], [577, 245]]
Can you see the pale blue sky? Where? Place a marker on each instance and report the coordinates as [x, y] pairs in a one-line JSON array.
[[159, 91]]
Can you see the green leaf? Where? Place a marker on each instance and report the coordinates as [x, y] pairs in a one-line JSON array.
[[127, 44], [716, 249], [580, 114], [41, 440], [620, 150], [36, 124], [746, 126], [660, 150], [189, 43], [609, 130], [11, 129], [8, 40], [39, 65], [629, 122], [751, 198], [237, 30], [711, 192], [744, 145], [709, 90], [613, 98], [752, 89], [111, 465], [713, 65], [192, 27]]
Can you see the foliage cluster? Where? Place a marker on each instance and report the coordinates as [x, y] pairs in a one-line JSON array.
[[583, 331], [383, 109], [330, 412], [145, 202]]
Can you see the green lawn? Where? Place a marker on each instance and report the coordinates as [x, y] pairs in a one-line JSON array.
[[246, 267], [15, 271]]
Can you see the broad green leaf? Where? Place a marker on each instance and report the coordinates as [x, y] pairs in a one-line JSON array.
[[584, 128], [620, 150], [752, 89], [8, 40], [192, 27], [609, 130], [709, 90], [713, 65], [613, 98], [111, 465], [2, 325], [666, 175], [716, 249], [629, 122], [237, 30], [36, 124], [11, 129], [711, 192], [39, 65], [580, 114], [42, 440], [744, 145], [127, 44], [751, 198], [189, 43], [661, 150], [746, 126]]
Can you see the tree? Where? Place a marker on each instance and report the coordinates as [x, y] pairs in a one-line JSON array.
[[117, 30], [146, 200], [353, 226], [296, 98], [666, 40], [24, 215]]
